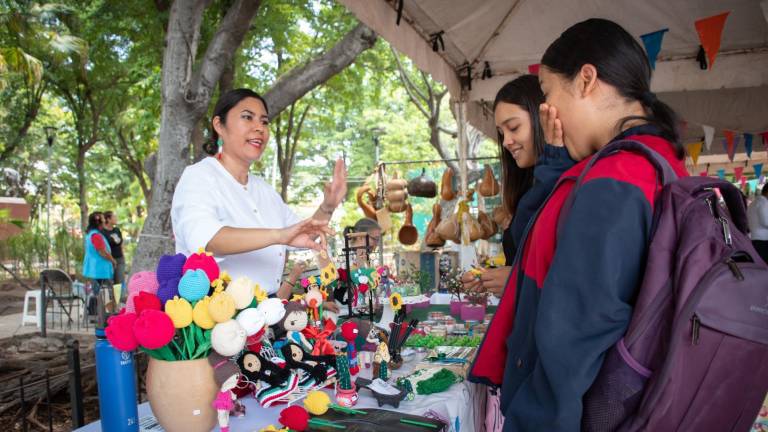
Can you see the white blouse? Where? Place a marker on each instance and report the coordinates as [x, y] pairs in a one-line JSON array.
[[208, 198]]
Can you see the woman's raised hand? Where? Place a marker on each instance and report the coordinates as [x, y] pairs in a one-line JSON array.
[[553, 127], [336, 189]]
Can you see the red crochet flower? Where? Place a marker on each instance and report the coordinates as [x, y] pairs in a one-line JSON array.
[[145, 301], [153, 329], [204, 262], [294, 418], [120, 331]]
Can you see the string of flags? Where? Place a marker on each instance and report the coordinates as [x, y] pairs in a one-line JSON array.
[[731, 141]]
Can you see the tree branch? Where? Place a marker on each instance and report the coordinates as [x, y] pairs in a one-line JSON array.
[[218, 56], [299, 81]]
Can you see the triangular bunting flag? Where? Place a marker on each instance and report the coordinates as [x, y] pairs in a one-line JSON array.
[[721, 173], [710, 33], [758, 170], [743, 182], [730, 148], [738, 171], [694, 150], [709, 135], [534, 69], [703, 174], [765, 139], [748, 144], [652, 42]]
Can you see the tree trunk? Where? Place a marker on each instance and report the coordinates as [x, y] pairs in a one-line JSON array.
[[82, 193]]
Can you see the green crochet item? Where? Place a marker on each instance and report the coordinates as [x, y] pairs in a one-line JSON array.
[[439, 382]]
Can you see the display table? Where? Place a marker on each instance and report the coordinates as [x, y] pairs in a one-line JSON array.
[[462, 406]]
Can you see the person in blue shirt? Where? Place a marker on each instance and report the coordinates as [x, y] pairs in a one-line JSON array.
[[98, 263]]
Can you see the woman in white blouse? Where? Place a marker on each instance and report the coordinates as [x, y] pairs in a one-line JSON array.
[[219, 206]]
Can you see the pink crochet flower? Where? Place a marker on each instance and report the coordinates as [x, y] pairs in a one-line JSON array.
[[153, 329], [202, 261], [120, 331], [144, 281], [145, 301]]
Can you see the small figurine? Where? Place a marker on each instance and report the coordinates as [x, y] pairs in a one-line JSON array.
[[371, 345], [380, 361], [294, 321], [346, 395], [226, 375], [317, 369], [349, 332]]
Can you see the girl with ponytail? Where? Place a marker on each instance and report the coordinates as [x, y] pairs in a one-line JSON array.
[[576, 281]]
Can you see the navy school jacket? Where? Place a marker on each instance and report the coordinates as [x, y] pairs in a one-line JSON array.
[[569, 299]]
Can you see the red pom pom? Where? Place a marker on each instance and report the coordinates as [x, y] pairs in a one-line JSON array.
[[120, 331], [294, 417], [204, 262], [146, 301], [153, 329], [349, 331]]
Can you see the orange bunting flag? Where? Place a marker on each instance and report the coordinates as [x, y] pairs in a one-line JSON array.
[[710, 34], [694, 150], [729, 135]]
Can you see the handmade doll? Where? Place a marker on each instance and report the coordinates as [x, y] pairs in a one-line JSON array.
[[349, 332], [257, 368], [317, 368], [226, 374], [371, 345], [381, 359], [294, 321]]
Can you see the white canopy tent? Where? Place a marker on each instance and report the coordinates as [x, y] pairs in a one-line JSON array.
[[512, 34]]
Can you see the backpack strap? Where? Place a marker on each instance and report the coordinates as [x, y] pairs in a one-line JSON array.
[[664, 170]]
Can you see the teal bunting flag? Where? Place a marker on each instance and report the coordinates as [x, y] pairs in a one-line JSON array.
[[748, 144], [652, 42]]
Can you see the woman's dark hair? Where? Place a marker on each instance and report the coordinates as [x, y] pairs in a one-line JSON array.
[[226, 102], [95, 220], [620, 61], [526, 93]]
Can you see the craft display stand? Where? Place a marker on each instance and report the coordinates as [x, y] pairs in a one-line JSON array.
[[351, 251]]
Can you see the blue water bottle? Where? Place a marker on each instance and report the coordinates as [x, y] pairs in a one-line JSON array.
[[116, 377]]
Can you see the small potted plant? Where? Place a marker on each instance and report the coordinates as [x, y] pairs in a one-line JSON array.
[[474, 307], [346, 395], [452, 281]]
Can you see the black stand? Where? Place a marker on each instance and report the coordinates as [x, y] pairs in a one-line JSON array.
[[349, 285]]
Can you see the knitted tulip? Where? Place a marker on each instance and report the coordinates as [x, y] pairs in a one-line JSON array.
[[120, 331], [142, 281], [200, 314], [241, 290], [317, 402], [205, 261], [180, 312], [146, 301], [169, 267], [153, 329], [228, 338], [251, 320], [194, 285], [221, 306], [168, 289], [294, 418], [273, 310]]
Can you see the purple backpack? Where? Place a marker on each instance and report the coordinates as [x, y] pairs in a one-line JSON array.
[[695, 355]]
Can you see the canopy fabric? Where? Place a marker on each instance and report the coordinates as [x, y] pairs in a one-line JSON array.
[[512, 34]]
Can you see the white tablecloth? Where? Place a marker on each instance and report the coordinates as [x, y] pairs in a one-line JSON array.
[[462, 406]]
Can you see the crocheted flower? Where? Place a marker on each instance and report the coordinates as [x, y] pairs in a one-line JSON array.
[[200, 314], [251, 320], [317, 402], [221, 306], [142, 281], [273, 310], [228, 338], [120, 331], [180, 312], [169, 267], [259, 293], [194, 285], [204, 261], [241, 290], [153, 329], [295, 418], [168, 289], [396, 301], [146, 301]]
